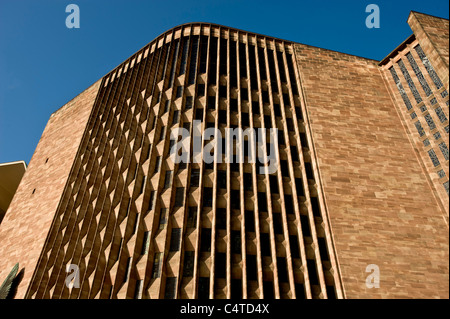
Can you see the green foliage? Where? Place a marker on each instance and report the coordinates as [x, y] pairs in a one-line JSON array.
[[6, 285]]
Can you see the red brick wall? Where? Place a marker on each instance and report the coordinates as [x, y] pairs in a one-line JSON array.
[[28, 219], [381, 208]]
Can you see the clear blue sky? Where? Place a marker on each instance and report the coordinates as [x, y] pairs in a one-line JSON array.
[[43, 64]]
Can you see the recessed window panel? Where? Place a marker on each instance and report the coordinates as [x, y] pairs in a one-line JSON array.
[[304, 220], [440, 114], [444, 149], [419, 74], [277, 223], [315, 206], [255, 107], [221, 265], [207, 194], [213, 60], [168, 180], [409, 81], [176, 117], [179, 197], [294, 247], [281, 68], [437, 135], [273, 184], [179, 92], [268, 290], [265, 244], [211, 102], [434, 77], [299, 187], [235, 242], [203, 53], [289, 204], [145, 243], [434, 158], [203, 288], [233, 105], [249, 221], [189, 103], [430, 122], [200, 90], [199, 114], [252, 61], [252, 268], [162, 218], [171, 288], [221, 218], [184, 55], [233, 64], [291, 73], [156, 270], [262, 64], [242, 60], [244, 94], [400, 88], [419, 128], [191, 221], [223, 56], [175, 239], [188, 265], [193, 62], [272, 71], [205, 241], [282, 269], [262, 202]]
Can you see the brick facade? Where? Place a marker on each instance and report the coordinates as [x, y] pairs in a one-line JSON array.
[[357, 185], [31, 212], [381, 208]]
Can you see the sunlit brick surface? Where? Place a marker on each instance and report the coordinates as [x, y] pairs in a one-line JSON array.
[[382, 210], [139, 225], [28, 219], [356, 182]]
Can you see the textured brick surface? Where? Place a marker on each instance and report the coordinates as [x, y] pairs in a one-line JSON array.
[[419, 113], [28, 219], [433, 35], [374, 194], [381, 209], [107, 214]]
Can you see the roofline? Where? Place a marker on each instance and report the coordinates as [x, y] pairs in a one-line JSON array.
[[249, 32], [15, 162], [57, 110], [231, 28], [349, 54], [191, 24], [425, 14], [410, 39], [261, 35], [400, 47], [222, 26]]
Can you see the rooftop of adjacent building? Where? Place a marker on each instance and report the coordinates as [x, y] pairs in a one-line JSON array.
[[11, 174]]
